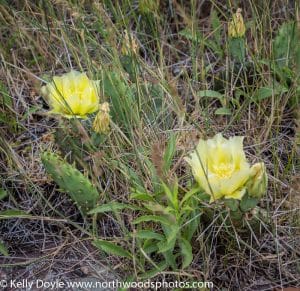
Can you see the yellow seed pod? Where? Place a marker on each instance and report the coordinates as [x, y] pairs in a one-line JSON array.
[[102, 119], [236, 28]]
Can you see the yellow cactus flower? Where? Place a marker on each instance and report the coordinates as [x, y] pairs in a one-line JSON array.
[[102, 119], [220, 167], [129, 44], [72, 94], [258, 182], [236, 28]]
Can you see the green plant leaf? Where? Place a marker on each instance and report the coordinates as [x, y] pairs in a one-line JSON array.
[[286, 49], [111, 248], [172, 194], [266, 92], [170, 258], [165, 246], [6, 98], [232, 204], [216, 43], [153, 272], [128, 280], [189, 194], [186, 209], [141, 196], [223, 111], [188, 34], [3, 249], [112, 206], [154, 218], [203, 196], [236, 215], [169, 152], [216, 26], [237, 49], [132, 176], [148, 234], [186, 251], [192, 224], [172, 233], [248, 203], [3, 194], [175, 193], [168, 192], [156, 207], [7, 114], [13, 213], [210, 94], [150, 246]]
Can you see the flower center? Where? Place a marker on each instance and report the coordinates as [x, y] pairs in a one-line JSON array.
[[223, 170]]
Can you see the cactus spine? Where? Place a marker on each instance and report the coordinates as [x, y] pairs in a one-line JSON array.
[[72, 181]]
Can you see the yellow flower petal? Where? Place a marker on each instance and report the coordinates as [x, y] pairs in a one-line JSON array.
[[220, 167], [72, 94], [237, 194], [234, 182]]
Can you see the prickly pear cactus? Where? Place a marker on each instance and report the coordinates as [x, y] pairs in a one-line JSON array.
[[130, 66], [122, 99], [237, 49], [286, 46], [81, 190]]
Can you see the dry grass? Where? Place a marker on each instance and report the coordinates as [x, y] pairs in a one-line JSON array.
[[40, 40]]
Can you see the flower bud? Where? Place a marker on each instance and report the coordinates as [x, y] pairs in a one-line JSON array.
[[258, 182], [102, 119], [236, 28]]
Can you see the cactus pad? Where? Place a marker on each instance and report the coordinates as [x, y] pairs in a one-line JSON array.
[[72, 181]]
